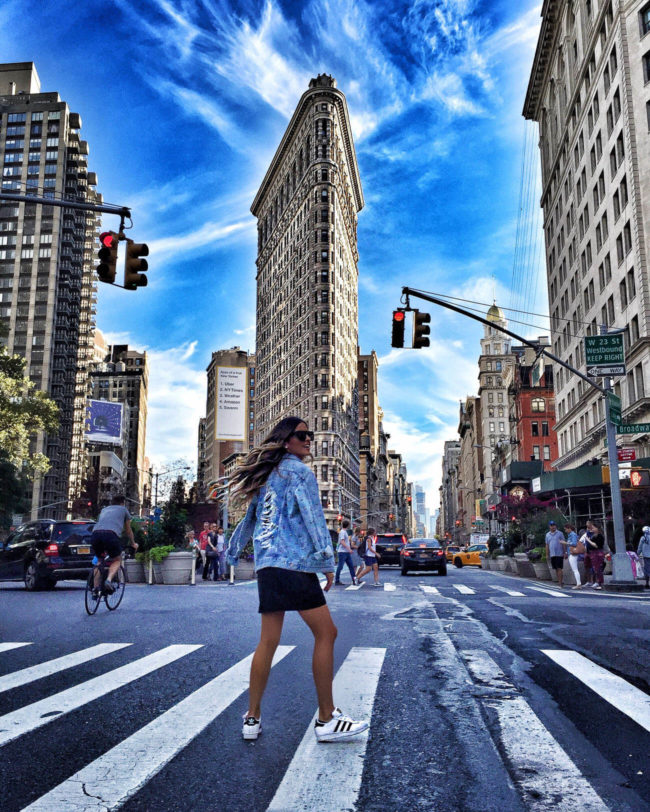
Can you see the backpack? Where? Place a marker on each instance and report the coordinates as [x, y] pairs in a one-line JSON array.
[[361, 549]]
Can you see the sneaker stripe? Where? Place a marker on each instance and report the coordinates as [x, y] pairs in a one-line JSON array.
[[339, 769]]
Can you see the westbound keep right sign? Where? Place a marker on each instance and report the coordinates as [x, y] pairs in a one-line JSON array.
[[605, 355]]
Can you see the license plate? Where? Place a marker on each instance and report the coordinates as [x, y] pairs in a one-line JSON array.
[[424, 555], [389, 549], [83, 550]]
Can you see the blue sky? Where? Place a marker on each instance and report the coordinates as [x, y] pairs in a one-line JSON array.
[[183, 103]]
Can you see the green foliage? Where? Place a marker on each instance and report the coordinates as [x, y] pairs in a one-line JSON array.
[[12, 492], [139, 536], [157, 554], [141, 557]]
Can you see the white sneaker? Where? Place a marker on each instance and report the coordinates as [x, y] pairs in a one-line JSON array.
[[594, 585], [252, 727], [339, 727]]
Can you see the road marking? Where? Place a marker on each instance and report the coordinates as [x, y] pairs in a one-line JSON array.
[[465, 590], [113, 778], [327, 777], [9, 646], [615, 690], [35, 672], [431, 590], [549, 592], [245, 583], [389, 587], [24, 720], [355, 586], [541, 767], [512, 592]]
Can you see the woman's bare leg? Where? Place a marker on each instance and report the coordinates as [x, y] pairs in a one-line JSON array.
[[263, 659], [322, 626], [363, 571]]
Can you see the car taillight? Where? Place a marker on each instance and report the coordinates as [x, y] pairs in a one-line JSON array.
[[52, 549], [406, 552], [439, 552]]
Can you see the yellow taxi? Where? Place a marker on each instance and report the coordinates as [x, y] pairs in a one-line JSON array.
[[451, 550], [470, 556]]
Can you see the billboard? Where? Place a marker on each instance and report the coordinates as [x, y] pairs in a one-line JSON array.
[[104, 422], [231, 404]]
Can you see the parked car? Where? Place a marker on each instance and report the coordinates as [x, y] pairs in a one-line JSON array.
[[451, 550], [45, 551], [471, 556], [423, 554], [389, 546]]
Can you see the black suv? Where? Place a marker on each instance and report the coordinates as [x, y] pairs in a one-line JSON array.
[[423, 554], [45, 551], [389, 546]]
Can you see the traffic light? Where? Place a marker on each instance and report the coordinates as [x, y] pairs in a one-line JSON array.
[[420, 329], [639, 478], [339, 518], [398, 329], [107, 256], [133, 265]]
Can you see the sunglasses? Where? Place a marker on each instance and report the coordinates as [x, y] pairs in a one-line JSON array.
[[302, 435]]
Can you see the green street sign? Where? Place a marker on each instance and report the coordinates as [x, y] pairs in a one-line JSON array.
[[633, 428], [614, 404], [605, 350]]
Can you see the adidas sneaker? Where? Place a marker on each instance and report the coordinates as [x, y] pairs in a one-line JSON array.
[[339, 727], [252, 727]]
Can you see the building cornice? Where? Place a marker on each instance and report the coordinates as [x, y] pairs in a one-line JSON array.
[[334, 95], [542, 58]]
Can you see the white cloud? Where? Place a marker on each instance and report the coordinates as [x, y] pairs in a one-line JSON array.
[[206, 234]]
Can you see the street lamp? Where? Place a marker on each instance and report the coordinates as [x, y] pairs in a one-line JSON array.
[[168, 471]]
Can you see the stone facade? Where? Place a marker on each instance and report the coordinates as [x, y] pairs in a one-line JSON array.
[[588, 91], [47, 280], [307, 285]]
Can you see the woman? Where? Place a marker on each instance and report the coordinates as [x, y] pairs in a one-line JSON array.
[[575, 549], [596, 546], [371, 557], [643, 551], [291, 544]]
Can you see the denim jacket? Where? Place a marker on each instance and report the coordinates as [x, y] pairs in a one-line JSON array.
[[286, 522]]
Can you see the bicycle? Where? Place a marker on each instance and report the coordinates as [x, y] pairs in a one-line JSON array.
[[93, 595]]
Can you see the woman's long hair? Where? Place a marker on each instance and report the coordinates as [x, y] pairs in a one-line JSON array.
[[249, 477]]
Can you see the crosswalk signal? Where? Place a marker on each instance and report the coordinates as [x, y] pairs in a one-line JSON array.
[[134, 265], [107, 256], [398, 329], [420, 329], [639, 478]]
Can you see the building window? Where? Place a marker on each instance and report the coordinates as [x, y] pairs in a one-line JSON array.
[[324, 473], [537, 404], [644, 19], [544, 429], [547, 452], [535, 454], [534, 429]]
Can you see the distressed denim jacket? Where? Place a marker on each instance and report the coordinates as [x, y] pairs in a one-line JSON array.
[[286, 522]]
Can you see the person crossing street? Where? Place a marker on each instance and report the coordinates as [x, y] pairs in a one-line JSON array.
[[344, 551]]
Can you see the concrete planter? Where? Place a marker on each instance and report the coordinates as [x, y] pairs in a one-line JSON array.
[[552, 572], [177, 568], [542, 572], [511, 564], [134, 571], [157, 572], [501, 562], [245, 570], [485, 564], [524, 566]]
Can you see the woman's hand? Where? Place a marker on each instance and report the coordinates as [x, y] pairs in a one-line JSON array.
[[330, 581]]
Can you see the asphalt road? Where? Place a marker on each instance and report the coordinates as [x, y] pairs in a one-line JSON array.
[[479, 700]]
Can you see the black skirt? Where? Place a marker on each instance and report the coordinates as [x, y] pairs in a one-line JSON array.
[[283, 590]]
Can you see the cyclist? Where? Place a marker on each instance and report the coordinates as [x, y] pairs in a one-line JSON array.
[[114, 520]]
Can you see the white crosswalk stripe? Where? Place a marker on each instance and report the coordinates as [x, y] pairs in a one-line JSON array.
[[354, 587], [30, 717], [543, 769], [615, 690], [550, 592], [338, 769], [34, 672], [389, 587], [9, 646], [464, 590], [111, 779], [511, 592], [431, 590]]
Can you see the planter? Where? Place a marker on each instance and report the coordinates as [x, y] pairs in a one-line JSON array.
[[485, 564], [177, 567], [501, 562], [524, 566], [245, 570], [511, 564], [541, 570], [551, 571], [157, 572], [134, 571]]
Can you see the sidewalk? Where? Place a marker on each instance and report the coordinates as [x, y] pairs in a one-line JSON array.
[[586, 590]]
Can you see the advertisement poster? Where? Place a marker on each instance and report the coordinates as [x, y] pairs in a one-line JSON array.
[[104, 422], [231, 404]]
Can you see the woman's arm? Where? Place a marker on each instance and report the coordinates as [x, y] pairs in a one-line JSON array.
[[243, 533]]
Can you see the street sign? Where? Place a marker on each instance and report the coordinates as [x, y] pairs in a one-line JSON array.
[[626, 454], [633, 428], [614, 404], [606, 372], [605, 350]]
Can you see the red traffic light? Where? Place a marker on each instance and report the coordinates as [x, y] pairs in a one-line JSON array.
[[107, 238], [398, 315]]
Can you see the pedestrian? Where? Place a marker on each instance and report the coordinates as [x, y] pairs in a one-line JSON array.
[[575, 549], [291, 544], [212, 554], [361, 551], [203, 543], [193, 546], [354, 546], [221, 553], [371, 557], [345, 553], [596, 547], [643, 551], [555, 550]]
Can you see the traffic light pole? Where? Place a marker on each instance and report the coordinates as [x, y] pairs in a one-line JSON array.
[[622, 575], [121, 211]]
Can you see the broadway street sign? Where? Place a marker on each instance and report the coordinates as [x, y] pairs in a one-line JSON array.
[[633, 428], [605, 353]]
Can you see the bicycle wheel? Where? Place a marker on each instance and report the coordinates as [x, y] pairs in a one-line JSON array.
[[115, 598], [91, 601]]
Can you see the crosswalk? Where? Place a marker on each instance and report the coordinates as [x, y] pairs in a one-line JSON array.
[[541, 766]]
